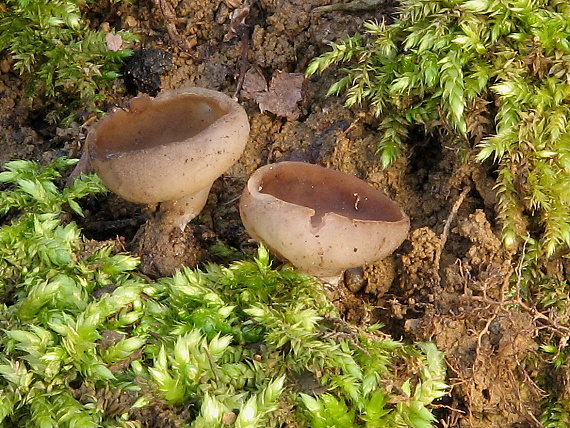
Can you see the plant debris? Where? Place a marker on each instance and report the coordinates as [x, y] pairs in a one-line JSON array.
[[283, 95]]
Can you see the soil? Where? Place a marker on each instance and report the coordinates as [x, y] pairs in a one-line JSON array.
[[446, 283]]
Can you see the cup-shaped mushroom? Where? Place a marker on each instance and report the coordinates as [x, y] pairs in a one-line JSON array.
[[170, 148], [322, 221]]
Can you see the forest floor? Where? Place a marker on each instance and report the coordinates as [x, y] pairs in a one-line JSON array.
[[447, 283]]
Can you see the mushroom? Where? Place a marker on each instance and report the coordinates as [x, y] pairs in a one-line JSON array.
[[322, 221], [169, 150]]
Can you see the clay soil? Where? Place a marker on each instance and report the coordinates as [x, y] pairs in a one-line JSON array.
[[445, 284]]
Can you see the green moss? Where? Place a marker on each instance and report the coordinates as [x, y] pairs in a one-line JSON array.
[[86, 341], [470, 69], [64, 61]]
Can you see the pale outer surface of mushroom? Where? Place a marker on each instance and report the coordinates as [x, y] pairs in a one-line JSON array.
[[168, 147], [322, 221]]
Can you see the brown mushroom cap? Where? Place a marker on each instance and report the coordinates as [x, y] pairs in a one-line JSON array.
[[168, 147], [322, 221]]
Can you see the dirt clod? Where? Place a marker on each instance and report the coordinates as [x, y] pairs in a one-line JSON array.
[[144, 69]]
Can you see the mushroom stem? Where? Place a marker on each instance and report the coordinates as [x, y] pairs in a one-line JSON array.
[[168, 150], [178, 213]]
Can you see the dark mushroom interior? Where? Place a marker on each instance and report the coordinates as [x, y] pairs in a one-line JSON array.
[[157, 123], [327, 191]]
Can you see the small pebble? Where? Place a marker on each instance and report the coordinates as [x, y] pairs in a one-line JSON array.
[[354, 279]]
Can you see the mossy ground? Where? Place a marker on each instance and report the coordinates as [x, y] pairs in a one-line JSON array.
[[445, 285]]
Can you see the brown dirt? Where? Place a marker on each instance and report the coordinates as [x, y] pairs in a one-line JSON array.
[[445, 285]]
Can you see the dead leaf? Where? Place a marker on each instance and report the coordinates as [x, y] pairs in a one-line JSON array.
[[254, 82], [237, 23], [114, 41], [283, 95]]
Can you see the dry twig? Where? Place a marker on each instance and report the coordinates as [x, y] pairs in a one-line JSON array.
[[169, 18], [446, 229]]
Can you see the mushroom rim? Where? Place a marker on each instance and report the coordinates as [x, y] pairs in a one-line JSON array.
[[381, 209], [103, 147]]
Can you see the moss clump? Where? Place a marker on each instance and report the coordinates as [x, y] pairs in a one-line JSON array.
[[492, 75], [64, 60], [85, 341]]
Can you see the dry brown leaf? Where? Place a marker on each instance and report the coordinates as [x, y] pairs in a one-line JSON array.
[[114, 41], [283, 95], [254, 82], [237, 23]]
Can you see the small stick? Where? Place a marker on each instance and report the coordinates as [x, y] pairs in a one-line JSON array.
[[169, 17], [243, 64], [446, 229], [355, 5]]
